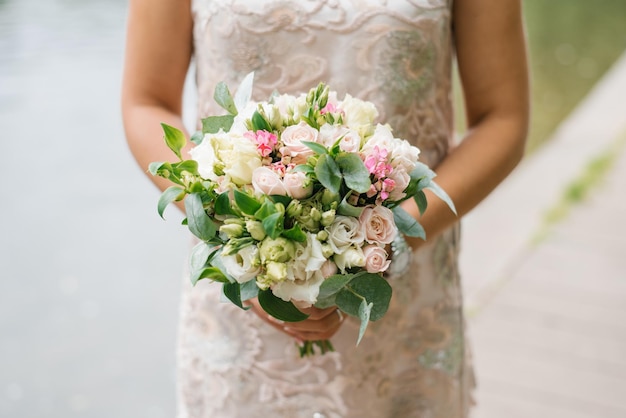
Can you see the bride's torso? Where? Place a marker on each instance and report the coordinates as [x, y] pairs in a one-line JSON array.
[[395, 53]]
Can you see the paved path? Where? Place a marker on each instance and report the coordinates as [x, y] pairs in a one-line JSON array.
[[548, 328]]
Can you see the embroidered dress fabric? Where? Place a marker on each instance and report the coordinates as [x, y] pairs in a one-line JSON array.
[[414, 362]]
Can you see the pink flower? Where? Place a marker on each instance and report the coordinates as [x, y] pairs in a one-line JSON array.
[[296, 185], [265, 141], [292, 138], [375, 259], [376, 162], [328, 269], [378, 225], [266, 181], [401, 179]]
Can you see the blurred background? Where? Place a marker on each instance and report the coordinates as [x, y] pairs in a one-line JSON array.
[[88, 307]]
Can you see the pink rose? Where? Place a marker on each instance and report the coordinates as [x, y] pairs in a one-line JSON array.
[[375, 259], [267, 181], [328, 269], [378, 225], [296, 185], [292, 138], [401, 179]]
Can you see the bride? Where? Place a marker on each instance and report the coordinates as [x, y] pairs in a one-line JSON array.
[[416, 361]]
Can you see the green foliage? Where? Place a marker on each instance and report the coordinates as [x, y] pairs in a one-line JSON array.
[[407, 224], [213, 124], [232, 291], [278, 308], [328, 173], [174, 139], [223, 98], [354, 172], [171, 194], [200, 224], [259, 123], [246, 203]]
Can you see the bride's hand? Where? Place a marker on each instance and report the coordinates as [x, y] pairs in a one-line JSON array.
[[320, 325]]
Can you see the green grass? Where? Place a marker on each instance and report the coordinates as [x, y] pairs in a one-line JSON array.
[[571, 43]]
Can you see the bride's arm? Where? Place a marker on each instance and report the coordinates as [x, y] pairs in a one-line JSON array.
[[158, 52], [491, 53]]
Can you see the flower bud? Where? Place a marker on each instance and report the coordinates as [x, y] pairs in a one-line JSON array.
[[327, 250], [232, 230], [275, 272], [329, 197], [234, 221], [279, 249], [328, 217], [280, 207], [322, 236], [315, 214], [255, 229]]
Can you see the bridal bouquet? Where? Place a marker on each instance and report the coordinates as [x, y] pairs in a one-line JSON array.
[[296, 200]]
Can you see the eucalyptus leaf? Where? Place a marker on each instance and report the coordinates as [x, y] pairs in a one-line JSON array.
[[365, 310], [249, 290], [213, 124], [199, 256], [317, 148], [170, 194], [200, 224], [328, 173], [211, 273], [407, 224], [197, 137], [422, 171], [422, 202], [369, 287], [441, 194], [278, 308], [174, 138], [246, 203], [333, 284], [233, 292], [244, 91], [223, 98], [326, 302], [355, 174], [346, 209]]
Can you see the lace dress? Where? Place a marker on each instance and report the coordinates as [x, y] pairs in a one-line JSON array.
[[415, 361]]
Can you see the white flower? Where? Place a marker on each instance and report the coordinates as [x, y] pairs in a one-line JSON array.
[[239, 157], [297, 185], [404, 155], [300, 290], [244, 265], [358, 114], [352, 257], [381, 138], [239, 124], [204, 155], [344, 232], [266, 181]]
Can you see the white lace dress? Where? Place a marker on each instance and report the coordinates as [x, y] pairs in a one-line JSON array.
[[412, 363]]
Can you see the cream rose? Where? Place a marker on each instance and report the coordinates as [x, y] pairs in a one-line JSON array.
[[352, 257], [378, 225], [404, 155], [375, 259], [236, 156], [358, 113], [296, 185], [266, 181], [344, 232], [303, 292], [401, 179], [292, 138], [243, 266]]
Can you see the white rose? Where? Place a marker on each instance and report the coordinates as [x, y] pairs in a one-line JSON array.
[[266, 181], [304, 291], [204, 155], [358, 114], [344, 232], [295, 183], [330, 133], [292, 138], [309, 258], [244, 265], [240, 159], [352, 257], [285, 103], [381, 138], [404, 155], [351, 142]]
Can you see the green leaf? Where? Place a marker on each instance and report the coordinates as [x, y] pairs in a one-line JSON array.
[[246, 203], [170, 194], [276, 198], [304, 168], [421, 171], [267, 208], [333, 284], [249, 290], [222, 205], [174, 138], [200, 224], [190, 166], [212, 273], [154, 167], [197, 137], [223, 98], [422, 202], [233, 292], [346, 209], [354, 172], [328, 173], [213, 124], [295, 234], [273, 225], [259, 123], [244, 91], [317, 148], [365, 310], [279, 309], [326, 302], [407, 224], [369, 287], [199, 256], [441, 194]]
